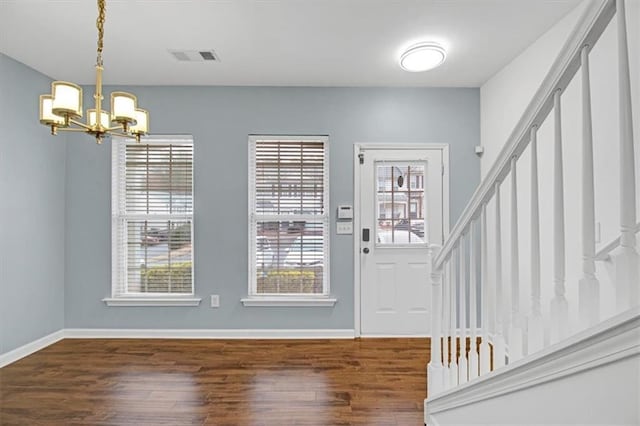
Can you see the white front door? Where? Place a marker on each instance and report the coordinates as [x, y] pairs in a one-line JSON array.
[[401, 213]]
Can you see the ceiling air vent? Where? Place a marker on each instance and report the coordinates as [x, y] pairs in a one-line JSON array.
[[195, 55]]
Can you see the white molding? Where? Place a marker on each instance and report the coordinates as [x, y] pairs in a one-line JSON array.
[[288, 301], [590, 26], [429, 420], [357, 148], [152, 301], [107, 333], [394, 336], [29, 348], [446, 186], [611, 340], [356, 238], [399, 146]]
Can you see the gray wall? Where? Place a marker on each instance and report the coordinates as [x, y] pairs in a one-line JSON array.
[[32, 194], [220, 119]]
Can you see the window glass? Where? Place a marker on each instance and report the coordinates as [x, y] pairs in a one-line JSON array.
[[400, 200]]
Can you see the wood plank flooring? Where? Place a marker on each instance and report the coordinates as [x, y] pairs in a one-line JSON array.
[[218, 382]]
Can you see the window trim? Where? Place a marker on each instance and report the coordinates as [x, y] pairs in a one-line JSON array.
[[253, 299], [153, 300], [117, 298]]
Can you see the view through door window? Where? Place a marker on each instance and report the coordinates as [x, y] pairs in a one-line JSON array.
[[400, 203]]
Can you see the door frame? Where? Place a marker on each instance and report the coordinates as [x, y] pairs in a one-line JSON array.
[[357, 148]]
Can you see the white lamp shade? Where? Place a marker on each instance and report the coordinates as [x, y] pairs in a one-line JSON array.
[[123, 107], [47, 117], [91, 118], [423, 57], [142, 122], [67, 99]]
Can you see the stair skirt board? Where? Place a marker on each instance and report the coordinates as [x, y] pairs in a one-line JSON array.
[[608, 352]]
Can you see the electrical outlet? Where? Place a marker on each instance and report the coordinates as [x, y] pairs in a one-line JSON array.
[[215, 301]]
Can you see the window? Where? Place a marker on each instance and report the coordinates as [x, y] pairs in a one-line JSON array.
[[288, 218], [152, 221]]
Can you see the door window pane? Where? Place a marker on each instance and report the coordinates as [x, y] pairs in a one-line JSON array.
[[401, 203]]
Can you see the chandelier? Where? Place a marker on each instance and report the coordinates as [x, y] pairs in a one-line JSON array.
[[62, 109]]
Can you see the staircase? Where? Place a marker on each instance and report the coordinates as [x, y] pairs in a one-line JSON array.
[[563, 357]]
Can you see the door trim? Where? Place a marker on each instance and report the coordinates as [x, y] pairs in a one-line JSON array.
[[357, 147]]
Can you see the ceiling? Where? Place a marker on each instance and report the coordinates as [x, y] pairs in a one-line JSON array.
[[274, 42]]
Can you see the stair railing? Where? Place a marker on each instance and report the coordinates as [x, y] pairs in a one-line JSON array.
[[465, 347]]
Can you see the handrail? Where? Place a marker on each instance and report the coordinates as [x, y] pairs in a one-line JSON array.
[[595, 19], [603, 253]]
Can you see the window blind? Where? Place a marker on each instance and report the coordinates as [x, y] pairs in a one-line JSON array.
[[153, 216], [288, 215]]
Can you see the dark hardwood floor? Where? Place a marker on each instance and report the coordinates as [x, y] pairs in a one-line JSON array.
[[218, 382]]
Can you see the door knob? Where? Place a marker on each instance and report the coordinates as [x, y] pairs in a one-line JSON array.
[[365, 250]]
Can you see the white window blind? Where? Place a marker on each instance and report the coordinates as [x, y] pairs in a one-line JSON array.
[[288, 215], [152, 217]]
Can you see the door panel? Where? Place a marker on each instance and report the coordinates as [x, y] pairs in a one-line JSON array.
[[401, 205]]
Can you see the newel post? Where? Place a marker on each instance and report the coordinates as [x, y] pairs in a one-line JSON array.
[[435, 370]]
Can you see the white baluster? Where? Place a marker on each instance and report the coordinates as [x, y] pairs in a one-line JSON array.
[[536, 328], [499, 348], [473, 314], [627, 263], [515, 329], [435, 369], [486, 295], [589, 288], [463, 364], [559, 305], [446, 321], [453, 372]]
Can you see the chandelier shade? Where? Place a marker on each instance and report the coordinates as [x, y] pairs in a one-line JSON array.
[[123, 108], [61, 109], [142, 122], [91, 118], [67, 99], [47, 117]]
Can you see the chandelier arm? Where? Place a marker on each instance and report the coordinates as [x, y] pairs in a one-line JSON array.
[[80, 124], [122, 135], [71, 129]]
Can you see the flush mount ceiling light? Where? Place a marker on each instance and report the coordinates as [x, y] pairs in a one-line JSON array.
[[61, 109], [423, 57]]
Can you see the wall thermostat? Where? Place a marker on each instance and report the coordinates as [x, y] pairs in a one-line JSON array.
[[345, 212]]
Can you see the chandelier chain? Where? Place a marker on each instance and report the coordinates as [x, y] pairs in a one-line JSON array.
[[100, 26]]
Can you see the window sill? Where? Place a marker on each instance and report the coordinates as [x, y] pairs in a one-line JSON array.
[[275, 301], [152, 301]]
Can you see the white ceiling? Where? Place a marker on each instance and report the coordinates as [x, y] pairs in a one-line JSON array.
[[274, 42]]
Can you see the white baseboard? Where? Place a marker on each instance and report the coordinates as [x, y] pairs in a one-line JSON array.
[[112, 333], [393, 336], [29, 348]]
